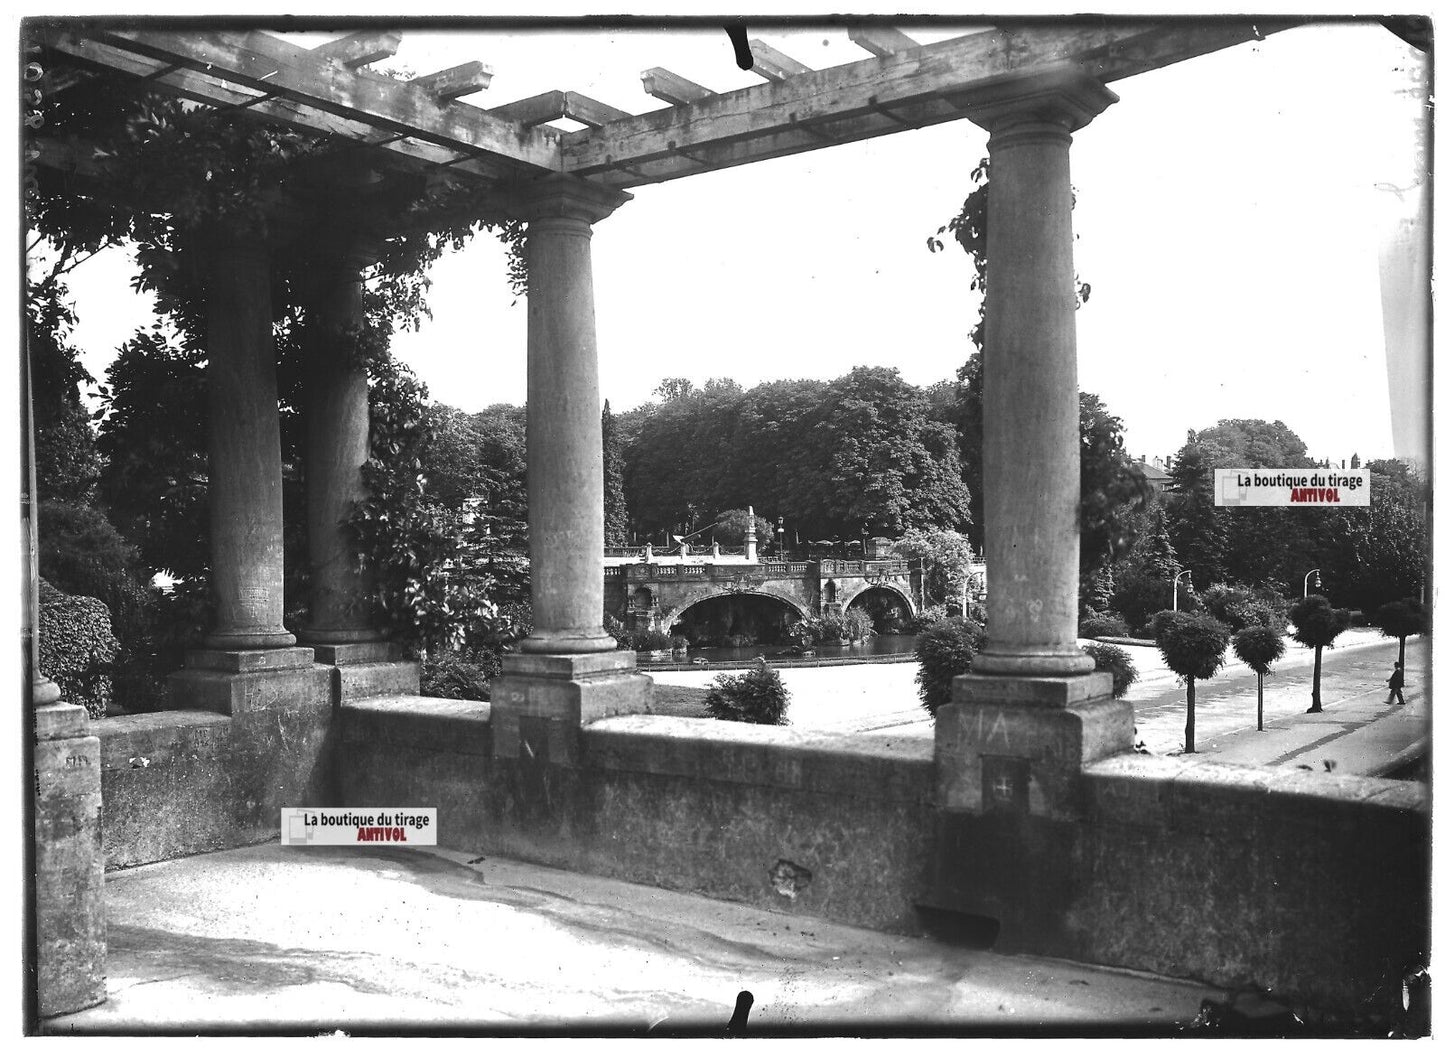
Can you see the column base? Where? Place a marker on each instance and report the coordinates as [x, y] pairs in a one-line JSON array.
[[1017, 745], [569, 641], [233, 682], [259, 639], [1044, 661], [541, 701], [370, 669], [69, 863], [338, 636]]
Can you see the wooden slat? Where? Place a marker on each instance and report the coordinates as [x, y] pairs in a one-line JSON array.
[[260, 61], [191, 84], [927, 85], [670, 88], [360, 49], [456, 81], [880, 40], [771, 63]]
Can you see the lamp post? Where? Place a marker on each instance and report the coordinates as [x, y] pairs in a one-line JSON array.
[[782, 541], [1316, 574], [1186, 572]]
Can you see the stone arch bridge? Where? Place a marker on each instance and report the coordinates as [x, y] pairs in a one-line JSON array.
[[657, 593]]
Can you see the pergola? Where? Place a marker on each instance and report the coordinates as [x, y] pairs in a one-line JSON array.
[[1032, 86]]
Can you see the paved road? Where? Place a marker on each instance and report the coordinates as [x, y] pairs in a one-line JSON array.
[[1356, 731]]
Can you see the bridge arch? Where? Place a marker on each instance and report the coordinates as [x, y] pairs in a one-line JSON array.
[[894, 590], [673, 613]]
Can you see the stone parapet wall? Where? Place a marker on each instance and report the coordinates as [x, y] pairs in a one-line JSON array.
[[836, 826], [1307, 883], [183, 782]]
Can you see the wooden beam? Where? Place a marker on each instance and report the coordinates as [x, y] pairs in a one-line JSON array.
[[534, 110], [455, 81], [552, 106], [771, 63], [670, 88], [880, 40], [590, 112], [360, 49], [201, 88], [927, 85], [262, 62]]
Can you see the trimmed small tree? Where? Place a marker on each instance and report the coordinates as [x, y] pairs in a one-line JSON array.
[[1259, 647], [755, 696], [1193, 647], [1399, 620], [1317, 624]]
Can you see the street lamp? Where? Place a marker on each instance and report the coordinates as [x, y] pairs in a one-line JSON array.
[[1186, 572], [1316, 574]]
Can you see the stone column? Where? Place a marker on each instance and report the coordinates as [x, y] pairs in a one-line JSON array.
[[564, 414], [247, 556], [568, 671], [1020, 728], [250, 661], [338, 427], [1031, 389], [67, 934]]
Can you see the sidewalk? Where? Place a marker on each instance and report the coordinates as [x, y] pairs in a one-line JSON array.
[[437, 941]]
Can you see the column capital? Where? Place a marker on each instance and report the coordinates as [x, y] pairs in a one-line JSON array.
[[565, 197], [1065, 96]]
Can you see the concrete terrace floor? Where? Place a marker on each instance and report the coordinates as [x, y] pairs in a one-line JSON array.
[[312, 940]]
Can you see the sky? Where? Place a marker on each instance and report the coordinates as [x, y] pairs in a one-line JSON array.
[[1229, 215]]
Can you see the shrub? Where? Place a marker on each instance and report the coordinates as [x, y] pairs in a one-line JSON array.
[[649, 639], [618, 631], [926, 618], [944, 649], [679, 644], [462, 676], [755, 696], [1116, 662], [77, 647], [858, 624], [1109, 624], [1243, 607]]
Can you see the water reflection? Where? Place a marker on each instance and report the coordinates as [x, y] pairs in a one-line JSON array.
[[877, 646]]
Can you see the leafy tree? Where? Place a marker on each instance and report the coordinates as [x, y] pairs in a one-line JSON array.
[[614, 499], [153, 439], [731, 529], [406, 534], [67, 464], [945, 649], [1243, 607], [946, 558], [1317, 624], [1376, 554], [1259, 646], [1193, 647], [1400, 620]]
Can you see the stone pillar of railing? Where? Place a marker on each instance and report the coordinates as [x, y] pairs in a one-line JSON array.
[[750, 543], [1033, 712], [68, 920], [569, 671]]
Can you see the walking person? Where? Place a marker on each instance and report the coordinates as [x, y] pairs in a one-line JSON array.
[[1396, 685]]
